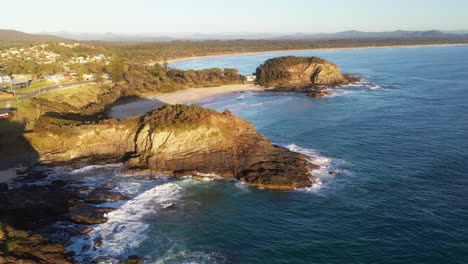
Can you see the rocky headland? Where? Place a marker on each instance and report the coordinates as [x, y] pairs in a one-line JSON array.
[[178, 140], [311, 75]]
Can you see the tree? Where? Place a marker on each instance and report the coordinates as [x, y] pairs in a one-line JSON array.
[[165, 64], [116, 69]]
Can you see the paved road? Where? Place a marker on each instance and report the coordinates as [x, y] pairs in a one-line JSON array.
[[48, 89]]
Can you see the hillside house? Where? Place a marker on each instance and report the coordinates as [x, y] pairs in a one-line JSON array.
[[55, 78], [5, 78]]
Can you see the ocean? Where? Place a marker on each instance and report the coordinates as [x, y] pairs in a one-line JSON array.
[[393, 152]]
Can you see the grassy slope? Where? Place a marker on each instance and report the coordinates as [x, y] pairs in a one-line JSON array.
[[11, 140]]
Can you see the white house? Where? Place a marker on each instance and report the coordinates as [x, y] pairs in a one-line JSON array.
[[250, 78], [88, 77], [5, 78], [55, 78]]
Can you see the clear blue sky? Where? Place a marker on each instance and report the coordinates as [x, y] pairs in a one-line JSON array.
[[218, 16]]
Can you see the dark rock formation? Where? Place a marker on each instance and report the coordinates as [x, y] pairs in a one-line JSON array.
[[98, 196], [32, 207], [82, 213], [181, 140], [21, 247]]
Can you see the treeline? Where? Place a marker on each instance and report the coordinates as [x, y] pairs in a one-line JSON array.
[[158, 51], [81, 50], [138, 80], [162, 80]]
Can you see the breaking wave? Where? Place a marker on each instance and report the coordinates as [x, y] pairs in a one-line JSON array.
[[328, 167]]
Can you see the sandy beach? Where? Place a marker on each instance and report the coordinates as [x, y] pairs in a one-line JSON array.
[[181, 97], [282, 51]]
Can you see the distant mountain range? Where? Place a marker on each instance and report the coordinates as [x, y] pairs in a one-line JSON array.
[[352, 34], [13, 37]]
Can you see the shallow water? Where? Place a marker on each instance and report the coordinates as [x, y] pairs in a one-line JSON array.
[[399, 149]]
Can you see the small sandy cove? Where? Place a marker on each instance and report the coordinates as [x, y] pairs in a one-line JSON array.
[[180, 97]]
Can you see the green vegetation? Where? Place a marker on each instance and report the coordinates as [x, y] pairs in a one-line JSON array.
[[116, 69], [159, 51], [178, 117], [157, 79], [275, 71]]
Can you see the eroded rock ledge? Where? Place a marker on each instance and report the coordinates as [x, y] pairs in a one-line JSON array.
[[311, 75], [180, 140]]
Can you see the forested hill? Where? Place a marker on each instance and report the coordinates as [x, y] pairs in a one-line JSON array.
[[13, 38]]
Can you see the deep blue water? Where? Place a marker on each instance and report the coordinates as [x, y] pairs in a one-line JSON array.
[[400, 147]]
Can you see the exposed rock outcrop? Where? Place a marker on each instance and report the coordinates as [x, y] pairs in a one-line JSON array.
[[182, 140], [21, 247], [309, 75]]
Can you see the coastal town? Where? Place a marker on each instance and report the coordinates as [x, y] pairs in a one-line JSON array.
[[29, 70]]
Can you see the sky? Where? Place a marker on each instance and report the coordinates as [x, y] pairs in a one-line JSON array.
[[231, 16]]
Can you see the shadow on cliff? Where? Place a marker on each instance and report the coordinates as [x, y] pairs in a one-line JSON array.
[[132, 106], [15, 150]]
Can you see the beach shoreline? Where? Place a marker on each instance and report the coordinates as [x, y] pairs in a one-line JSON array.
[[150, 102], [299, 50]]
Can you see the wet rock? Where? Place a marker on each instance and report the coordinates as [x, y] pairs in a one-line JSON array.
[[170, 206], [108, 186], [31, 207], [85, 214], [101, 259], [85, 230], [282, 170], [98, 196], [81, 188], [85, 248], [134, 260], [22, 247], [97, 242], [319, 94], [65, 182]]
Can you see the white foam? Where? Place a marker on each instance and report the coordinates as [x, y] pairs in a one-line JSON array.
[[259, 104], [90, 168], [125, 229], [328, 167], [175, 255]]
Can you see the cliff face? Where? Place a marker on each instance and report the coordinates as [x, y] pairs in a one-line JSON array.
[[182, 140], [292, 70]]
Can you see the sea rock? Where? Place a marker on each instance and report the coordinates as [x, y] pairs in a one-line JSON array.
[[21, 247], [134, 260], [180, 140], [82, 213], [302, 75], [31, 207], [108, 186], [98, 196], [299, 70], [318, 94], [85, 230]]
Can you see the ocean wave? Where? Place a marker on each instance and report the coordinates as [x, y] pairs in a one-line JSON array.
[[328, 167], [95, 168], [126, 228], [259, 104], [244, 95], [176, 255]]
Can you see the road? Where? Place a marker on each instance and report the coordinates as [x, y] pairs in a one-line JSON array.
[[48, 89]]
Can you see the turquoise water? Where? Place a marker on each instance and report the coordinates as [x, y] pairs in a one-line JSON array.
[[400, 195]]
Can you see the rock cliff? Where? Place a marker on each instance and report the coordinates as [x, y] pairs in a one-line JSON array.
[[180, 140], [301, 74]]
